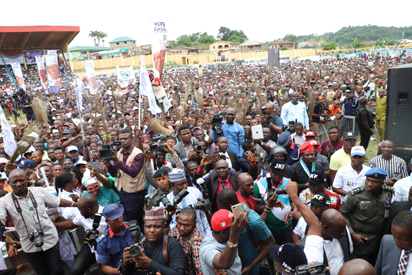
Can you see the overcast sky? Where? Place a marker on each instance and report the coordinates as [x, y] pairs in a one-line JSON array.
[[260, 20]]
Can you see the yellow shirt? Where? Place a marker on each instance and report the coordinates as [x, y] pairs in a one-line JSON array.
[[380, 108], [339, 159]]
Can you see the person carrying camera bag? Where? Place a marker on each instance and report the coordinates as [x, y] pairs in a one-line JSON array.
[[27, 209]]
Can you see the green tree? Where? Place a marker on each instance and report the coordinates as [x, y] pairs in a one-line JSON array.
[[284, 48], [97, 36], [226, 34], [329, 46], [206, 39], [93, 34], [183, 41]]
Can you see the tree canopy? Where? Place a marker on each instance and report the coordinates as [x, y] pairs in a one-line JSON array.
[[97, 36], [226, 34]]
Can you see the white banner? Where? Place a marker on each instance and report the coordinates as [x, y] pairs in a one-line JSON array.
[[159, 43], [8, 137], [8, 60], [18, 75], [146, 88], [80, 88], [91, 76], [53, 73], [126, 76], [42, 71]]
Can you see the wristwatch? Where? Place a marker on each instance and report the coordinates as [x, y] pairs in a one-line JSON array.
[[232, 245], [15, 243]]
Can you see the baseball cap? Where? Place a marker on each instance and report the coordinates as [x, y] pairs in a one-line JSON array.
[[3, 160], [316, 178], [67, 132], [349, 135], [80, 162], [306, 147], [135, 108], [357, 151], [310, 134], [72, 148], [320, 200], [113, 211], [221, 220], [26, 163], [313, 142], [278, 167], [289, 255]]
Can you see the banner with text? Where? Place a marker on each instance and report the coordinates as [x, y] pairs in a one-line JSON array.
[[91, 76], [30, 56], [18, 75], [126, 76], [42, 71], [53, 73], [11, 59], [8, 137], [159, 43]]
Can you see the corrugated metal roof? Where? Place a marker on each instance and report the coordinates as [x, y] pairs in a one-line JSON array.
[[251, 43], [122, 39], [88, 49]]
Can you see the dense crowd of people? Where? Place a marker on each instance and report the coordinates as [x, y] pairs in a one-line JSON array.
[[234, 177]]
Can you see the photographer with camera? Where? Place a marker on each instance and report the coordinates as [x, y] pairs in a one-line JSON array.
[[25, 104], [128, 168], [87, 216], [319, 113], [295, 111], [27, 209], [272, 120], [158, 252], [179, 183], [230, 129], [112, 242], [189, 148]]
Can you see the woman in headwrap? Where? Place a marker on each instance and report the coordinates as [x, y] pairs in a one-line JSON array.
[[104, 195]]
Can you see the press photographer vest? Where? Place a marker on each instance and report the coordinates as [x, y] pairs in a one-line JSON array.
[[125, 182]]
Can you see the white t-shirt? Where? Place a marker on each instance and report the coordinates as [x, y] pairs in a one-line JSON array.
[[314, 249], [300, 228], [348, 178]]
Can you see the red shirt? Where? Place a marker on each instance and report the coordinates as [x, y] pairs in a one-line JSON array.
[[335, 202], [220, 185], [249, 201]]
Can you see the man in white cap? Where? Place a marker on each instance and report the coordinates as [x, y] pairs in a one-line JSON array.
[[53, 71]]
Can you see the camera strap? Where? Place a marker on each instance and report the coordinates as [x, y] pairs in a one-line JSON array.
[[19, 210]]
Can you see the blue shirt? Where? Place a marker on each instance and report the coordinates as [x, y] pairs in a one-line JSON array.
[[292, 112], [235, 137], [350, 106], [247, 252], [110, 246]]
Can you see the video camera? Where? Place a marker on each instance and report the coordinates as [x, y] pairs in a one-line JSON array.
[[109, 149], [290, 128], [136, 248], [91, 233], [217, 121], [157, 144], [197, 148], [168, 206], [205, 203], [322, 107], [314, 269], [271, 190]]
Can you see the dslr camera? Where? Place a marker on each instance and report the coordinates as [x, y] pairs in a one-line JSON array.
[[157, 144], [91, 233], [268, 117], [271, 190], [204, 204], [169, 205], [109, 149], [217, 121], [290, 128], [136, 248], [37, 237], [315, 269], [197, 148]]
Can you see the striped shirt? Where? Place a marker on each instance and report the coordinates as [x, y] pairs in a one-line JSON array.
[[395, 167], [132, 170]]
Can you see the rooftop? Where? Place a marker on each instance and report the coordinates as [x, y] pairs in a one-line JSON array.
[[230, 42], [122, 39], [251, 43], [282, 42], [88, 49]]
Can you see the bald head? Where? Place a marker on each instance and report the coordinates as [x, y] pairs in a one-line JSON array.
[[332, 217], [244, 177], [333, 224], [89, 201], [270, 105], [357, 267], [19, 172]]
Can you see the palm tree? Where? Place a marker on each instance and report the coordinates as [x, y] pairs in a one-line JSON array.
[[97, 36], [93, 34]]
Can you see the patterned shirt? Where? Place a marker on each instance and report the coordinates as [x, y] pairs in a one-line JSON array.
[[132, 170], [395, 167], [335, 201], [191, 248]]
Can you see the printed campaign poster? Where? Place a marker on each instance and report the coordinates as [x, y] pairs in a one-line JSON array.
[[126, 76], [19, 75], [8, 60], [273, 57], [30, 56], [53, 73], [159, 47], [42, 72], [91, 76]]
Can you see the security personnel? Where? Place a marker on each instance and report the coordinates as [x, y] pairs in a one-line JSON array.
[[161, 179], [114, 240], [292, 149], [366, 209]]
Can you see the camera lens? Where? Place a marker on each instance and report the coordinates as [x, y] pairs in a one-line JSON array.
[[135, 250]]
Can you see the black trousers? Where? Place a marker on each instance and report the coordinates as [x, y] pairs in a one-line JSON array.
[[364, 137], [133, 206], [46, 262], [84, 259]]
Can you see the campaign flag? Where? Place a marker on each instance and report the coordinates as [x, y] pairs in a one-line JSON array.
[[18, 74], [91, 76], [159, 43], [8, 137], [126, 76], [146, 89], [42, 71], [53, 73], [79, 88]]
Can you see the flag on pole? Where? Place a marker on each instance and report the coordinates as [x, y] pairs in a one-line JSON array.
[[126, 76], [91, 76], [146, 89], [8, 137], [19, 75], [80, 88]]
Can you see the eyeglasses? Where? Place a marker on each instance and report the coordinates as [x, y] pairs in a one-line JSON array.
[[94, 187], [350, 140]]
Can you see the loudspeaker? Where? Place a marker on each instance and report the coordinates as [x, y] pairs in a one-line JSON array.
[[398, 125]]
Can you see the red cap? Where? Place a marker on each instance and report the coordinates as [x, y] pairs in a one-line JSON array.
[[313, 142], [306, 147], [310, 134], [221, 220], [380, 81]]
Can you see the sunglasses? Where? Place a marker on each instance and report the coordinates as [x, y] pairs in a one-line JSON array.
[[350, 140], [94, 187]]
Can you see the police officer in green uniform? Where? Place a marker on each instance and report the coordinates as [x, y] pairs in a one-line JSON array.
[[161, 178], [366, 209]]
